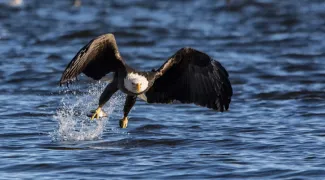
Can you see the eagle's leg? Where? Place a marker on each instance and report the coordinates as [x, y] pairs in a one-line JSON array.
[[104, 97], [129, 102]]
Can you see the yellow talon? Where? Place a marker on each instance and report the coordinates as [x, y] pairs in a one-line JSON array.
[[98, 113], [124, 122]]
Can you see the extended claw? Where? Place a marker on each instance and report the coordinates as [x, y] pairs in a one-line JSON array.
[[98, 113], [124, 122]]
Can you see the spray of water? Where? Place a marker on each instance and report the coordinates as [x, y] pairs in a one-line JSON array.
[[73, 122]]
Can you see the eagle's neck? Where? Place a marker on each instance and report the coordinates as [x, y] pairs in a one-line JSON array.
[[135, 83]]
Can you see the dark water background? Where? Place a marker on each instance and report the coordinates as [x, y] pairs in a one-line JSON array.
[[273, 50]]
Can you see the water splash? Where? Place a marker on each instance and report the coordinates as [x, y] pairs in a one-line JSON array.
[[73, 122]]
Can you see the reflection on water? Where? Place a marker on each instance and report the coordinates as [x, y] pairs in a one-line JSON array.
[[273, 51]]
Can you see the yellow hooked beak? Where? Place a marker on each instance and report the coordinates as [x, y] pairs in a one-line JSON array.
[[138, 86]]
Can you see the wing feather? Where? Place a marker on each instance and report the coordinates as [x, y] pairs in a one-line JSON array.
[[96, 59], [191, 76]]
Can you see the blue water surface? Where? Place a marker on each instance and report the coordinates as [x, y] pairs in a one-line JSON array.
[[273, 50]]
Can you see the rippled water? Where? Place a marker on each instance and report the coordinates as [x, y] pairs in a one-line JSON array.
[[274, 52]]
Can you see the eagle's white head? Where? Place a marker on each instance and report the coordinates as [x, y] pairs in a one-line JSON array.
[[135, 83]]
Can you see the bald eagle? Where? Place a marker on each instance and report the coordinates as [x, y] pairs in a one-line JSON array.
[[189, 76]]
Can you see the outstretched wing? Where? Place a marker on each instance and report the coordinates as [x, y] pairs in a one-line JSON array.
[[191, 76], [99, 57]]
